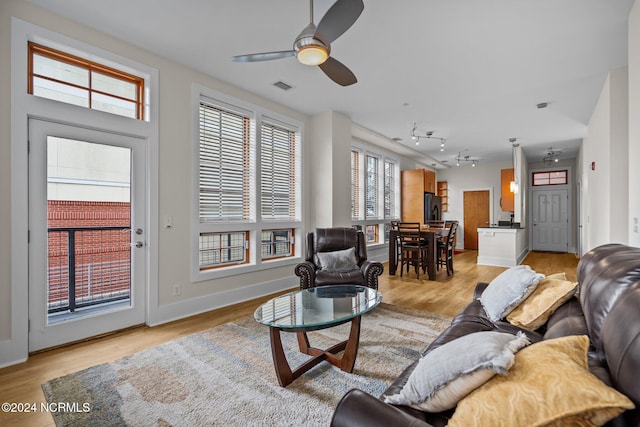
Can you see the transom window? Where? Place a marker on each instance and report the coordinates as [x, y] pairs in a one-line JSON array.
[[67, 78], [550, 178]]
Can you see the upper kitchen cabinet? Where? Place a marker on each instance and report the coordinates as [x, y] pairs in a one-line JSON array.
[[413, 184], [506, 195]]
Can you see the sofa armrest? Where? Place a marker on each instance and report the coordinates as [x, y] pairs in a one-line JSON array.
[[307, 273], [480, 287], [360, 409], [371, 270]]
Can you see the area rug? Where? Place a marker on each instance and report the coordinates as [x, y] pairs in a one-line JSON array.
[[224, 376]]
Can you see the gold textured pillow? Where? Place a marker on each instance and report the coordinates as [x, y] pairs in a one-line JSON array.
[[548, 385], [534, 311]]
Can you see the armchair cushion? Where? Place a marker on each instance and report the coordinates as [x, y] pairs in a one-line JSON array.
[[337, 261]]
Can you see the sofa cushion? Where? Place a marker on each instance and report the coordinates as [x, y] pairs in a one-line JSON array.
[[507, 290], [337, 261], [534, 311], [448, 373], [549, 384]]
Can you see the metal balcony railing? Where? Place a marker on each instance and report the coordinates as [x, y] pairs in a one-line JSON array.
[[88, 266]]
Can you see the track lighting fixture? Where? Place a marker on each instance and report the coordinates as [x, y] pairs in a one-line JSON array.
[[552, 156], [427, 135], [461, 158]]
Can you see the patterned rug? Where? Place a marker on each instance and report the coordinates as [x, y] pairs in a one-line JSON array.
[[225, 376]]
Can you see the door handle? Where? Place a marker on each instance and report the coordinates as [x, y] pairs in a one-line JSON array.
[[137, 244]]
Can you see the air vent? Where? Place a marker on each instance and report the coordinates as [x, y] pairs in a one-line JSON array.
[[282, 85], [396, 139]]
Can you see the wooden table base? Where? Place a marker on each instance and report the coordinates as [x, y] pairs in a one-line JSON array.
[[346, 362]]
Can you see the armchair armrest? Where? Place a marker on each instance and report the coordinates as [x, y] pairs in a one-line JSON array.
[[357, 409], [371, 270], [307, 273]]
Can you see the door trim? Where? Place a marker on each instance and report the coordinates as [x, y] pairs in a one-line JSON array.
[[14, 337], [491, 210], [571, 231], [42, 332]]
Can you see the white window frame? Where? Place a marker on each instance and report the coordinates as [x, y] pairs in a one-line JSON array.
[[381, 221], [255, 224]]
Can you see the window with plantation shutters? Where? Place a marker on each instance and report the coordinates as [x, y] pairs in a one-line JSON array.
[[375, 187], [389, 189], [371, 195], [355, 184], [224, 174], [247, 211], [277, 172]]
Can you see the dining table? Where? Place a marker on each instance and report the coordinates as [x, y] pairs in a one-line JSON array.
[[431, 235]]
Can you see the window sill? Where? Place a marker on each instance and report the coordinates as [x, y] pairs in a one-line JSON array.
[[235, 270]]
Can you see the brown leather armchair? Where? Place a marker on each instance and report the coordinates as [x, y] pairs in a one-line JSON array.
[[322, 243]]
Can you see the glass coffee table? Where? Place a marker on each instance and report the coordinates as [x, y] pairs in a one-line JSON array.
[[311, 310]]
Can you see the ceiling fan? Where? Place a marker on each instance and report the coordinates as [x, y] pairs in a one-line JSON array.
[[313, 45]]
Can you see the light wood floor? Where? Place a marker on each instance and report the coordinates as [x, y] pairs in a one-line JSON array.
[[445, 296]]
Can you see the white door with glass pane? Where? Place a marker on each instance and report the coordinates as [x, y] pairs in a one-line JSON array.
[[87, 231], [550, 220]]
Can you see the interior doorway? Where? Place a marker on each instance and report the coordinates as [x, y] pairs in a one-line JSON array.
[[87, 263], [477, 213]]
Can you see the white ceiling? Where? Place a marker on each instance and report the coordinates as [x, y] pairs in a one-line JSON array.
[[470, 71]]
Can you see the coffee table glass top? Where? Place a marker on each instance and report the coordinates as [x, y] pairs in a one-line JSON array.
[[317, 308]]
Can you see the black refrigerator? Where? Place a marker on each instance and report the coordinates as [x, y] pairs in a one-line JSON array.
[[432, 207]]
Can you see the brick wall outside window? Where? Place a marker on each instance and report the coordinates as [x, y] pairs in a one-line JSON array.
[[102, 256]]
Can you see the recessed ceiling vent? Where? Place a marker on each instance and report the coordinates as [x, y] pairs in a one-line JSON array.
[[282, 85]]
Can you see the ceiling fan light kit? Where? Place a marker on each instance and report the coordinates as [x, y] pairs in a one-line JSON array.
[[313, 45], [312, 55]]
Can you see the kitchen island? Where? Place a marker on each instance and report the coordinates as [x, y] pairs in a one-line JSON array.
[[504, 246]]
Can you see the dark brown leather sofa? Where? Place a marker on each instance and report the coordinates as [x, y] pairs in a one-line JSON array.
[[607, 309], [337, 239]]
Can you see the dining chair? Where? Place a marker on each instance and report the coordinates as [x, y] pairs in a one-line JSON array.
[[445, 249], [413, 247]]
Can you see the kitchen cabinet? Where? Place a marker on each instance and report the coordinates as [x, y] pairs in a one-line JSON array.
[[413, 184], [506, 196]]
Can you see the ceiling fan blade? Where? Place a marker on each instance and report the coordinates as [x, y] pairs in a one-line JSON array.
[[338, 72], [338, 19], [265, 56]]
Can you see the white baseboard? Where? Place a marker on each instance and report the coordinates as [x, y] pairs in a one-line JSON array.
[[180, 310], [498, 262], [11, 354]]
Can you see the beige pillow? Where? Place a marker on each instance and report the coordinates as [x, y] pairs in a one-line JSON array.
[[559, 276], [534, 311], [548, 385]]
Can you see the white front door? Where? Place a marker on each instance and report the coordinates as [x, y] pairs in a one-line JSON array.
[[550, 220], [87, 230]]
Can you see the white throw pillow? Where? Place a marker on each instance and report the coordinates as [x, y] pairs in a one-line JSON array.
[[509, 289], [448, 373]]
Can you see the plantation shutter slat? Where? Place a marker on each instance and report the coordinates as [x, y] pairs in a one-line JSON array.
[[224, 171]]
